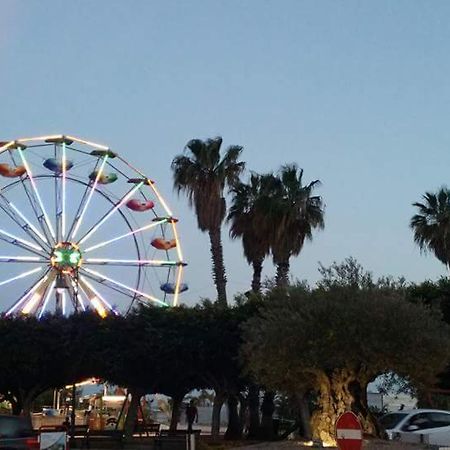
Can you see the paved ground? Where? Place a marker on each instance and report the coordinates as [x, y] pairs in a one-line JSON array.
[[372, 445]]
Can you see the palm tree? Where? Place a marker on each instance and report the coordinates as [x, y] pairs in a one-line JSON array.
[[202, 173], [294, 214], [431, 225], [246, 212]]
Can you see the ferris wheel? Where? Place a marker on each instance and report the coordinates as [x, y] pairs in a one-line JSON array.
[[81, 228]]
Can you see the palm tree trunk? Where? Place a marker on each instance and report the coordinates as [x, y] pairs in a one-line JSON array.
[[218, 270], [282, 277], [257, 269]]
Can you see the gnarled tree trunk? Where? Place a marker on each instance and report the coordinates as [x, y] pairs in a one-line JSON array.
[[334, 399], [304, 416], [218, 268], [217, 408], [360, 407]]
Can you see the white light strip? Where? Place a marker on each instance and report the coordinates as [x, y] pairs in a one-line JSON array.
[[6, 146], [22, 259], [130, 233], [28, 222], [34, 300], [23, 241], [64, 166], [91, 193], [92, 144], [47, 298], [25, 296], [117, 283], [22, 275], [105, 218], [63, 301], [40, 138], [177, 241], [33, 184], [136, 262], [93, 299], [177, 286], [152, 185], [97, 293]]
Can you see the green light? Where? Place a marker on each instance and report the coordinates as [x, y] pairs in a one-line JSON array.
[[66, 256]]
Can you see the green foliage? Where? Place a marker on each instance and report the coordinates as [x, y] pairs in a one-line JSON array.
[[349, 322]]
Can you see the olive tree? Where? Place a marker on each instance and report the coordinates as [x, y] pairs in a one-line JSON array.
[[331, 340]]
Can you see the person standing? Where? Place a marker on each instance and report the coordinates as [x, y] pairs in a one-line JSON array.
[[191, 415]]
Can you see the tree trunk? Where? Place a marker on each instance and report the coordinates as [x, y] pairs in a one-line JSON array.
[[16, 408], [130, 420], [176, 410], [218, 269], [282, 277], [304, 416], [361, 408], [253, 411], [234, 429], [215, 421], [266, 431], [256, 280], [334, 399], [27, 409]]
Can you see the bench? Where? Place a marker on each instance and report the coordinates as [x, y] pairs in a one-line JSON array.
[[176, 440], [104, 436], [178, 432], [148, 429]]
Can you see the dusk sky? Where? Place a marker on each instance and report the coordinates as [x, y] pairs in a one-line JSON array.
[[356, 93]]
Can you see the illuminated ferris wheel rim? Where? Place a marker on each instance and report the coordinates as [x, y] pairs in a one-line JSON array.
[[65, 257]]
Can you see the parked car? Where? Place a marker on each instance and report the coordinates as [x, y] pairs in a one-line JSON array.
[[16, 434], [50, 412], [430, 426]]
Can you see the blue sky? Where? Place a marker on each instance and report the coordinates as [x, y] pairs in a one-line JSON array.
[[355, 92]]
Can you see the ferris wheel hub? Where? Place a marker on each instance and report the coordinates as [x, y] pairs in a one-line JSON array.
[[66, 257]]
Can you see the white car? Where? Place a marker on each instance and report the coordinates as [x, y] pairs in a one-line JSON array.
[[430, 426]]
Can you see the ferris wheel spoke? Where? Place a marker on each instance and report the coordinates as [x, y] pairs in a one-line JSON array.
[[64, 183], [22, 243], [50, 291], [110, 212], [23, 259], [95, 298], [130, 262], [177, 285], [130, 233], [33, 302], [21, 275], [103, 279], [33, 202], [11, 210], [36, 194], [28, 292], [86, 200]]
